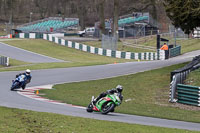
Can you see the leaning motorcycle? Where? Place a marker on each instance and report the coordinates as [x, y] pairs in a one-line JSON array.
[[105, 105], [19, 82]]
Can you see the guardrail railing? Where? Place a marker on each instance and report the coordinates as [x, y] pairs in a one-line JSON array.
[[4, 61], [178, 77]]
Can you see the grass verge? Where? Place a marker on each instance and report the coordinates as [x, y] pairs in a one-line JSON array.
[[60, 52], [147, 94], [14, 63], [79, 58], [187, 45], [120, 47], [194, 78], [22, 121], [76, 57]]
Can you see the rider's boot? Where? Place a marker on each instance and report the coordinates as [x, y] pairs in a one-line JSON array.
[[24, 86], [95, 100], [98, 98]]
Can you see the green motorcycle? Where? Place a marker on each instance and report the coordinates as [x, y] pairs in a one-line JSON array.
[[105, 105]]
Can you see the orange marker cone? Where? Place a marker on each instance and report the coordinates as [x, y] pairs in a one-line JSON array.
[[37, 92]]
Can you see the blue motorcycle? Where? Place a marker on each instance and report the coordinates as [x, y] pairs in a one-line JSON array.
[[19, 82]]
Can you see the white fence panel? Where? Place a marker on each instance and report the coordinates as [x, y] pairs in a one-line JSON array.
[[4, 61]]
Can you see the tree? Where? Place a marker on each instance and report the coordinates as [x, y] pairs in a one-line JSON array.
[[100, 9], [141, 6], [42, 7], [184, 14], [116, 17], [11, 4]]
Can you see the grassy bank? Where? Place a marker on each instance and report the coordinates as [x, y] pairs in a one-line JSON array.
[[187, 45], [60, 52], [194, 78], [14, 63], [79, 58], [120, 47], [147, 94], [22, 121], [75, 57]]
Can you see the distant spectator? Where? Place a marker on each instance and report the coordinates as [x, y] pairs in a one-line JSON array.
[[135, 15], [166, 48]]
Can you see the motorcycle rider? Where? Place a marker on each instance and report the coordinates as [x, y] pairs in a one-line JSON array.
[[28, 77], [118, 90]]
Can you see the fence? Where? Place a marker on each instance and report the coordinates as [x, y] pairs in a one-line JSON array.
[[29, 35], [158, 55], [178, 77], [4, 61], [109, 42], [174, 51], [188, 94]]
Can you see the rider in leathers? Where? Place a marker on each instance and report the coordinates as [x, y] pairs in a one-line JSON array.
[[118, 89], [28, 77]]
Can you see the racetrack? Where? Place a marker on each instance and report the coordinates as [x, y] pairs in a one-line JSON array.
[[66, 75], [24, 55]]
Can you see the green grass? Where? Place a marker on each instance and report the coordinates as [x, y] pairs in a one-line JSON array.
[[120, 47], [22, 121], [61, 52], [194, 78], [148, 93], [75, 57], [187, 45], [14, 63], [79, 58]]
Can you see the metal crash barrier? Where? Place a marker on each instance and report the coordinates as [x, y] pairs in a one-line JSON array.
[[4, 61], [178, 89], [188, 94]]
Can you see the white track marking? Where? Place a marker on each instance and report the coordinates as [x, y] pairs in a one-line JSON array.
[[30, 93]]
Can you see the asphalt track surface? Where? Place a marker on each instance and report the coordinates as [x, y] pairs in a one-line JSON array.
[[67, 75]]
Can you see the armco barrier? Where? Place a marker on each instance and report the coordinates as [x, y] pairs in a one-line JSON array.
[[159, 55], [29, 35], [174, 51], [106, 52], [4, 61], [179, 76], [188, 94]]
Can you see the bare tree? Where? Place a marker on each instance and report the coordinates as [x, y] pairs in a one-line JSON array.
[[89, 11], [11, 7], [82, 12], [42, 7], [100, 10], [116, 17]]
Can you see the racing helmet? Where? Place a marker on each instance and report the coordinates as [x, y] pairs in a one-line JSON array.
[[28, 71], [119, 88]]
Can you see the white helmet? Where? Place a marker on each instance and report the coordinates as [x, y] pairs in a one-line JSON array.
[[28, 71], [119, 88]]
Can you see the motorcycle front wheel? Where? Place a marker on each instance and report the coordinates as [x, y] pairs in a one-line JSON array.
[[108, 108], [89, 108], [14, 86]]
